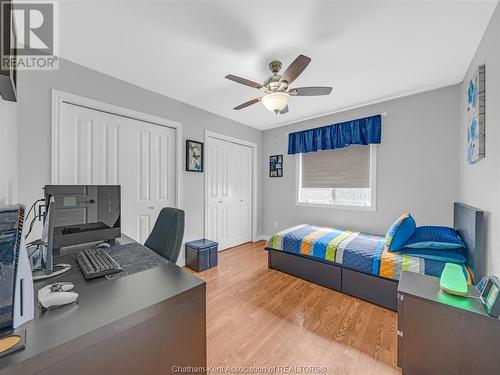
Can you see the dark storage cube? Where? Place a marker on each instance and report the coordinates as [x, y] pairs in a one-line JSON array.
[[201, 254]]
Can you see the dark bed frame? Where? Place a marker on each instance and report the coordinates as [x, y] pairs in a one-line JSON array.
[[468, 221]]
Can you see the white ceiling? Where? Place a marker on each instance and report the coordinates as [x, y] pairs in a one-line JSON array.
[[367, 50]]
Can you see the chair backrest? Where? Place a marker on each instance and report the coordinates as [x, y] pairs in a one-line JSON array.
[[168, 232]]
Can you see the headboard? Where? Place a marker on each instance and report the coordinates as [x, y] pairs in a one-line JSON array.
[[469, 222]]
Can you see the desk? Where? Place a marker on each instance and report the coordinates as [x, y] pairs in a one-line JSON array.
[[143, 323]]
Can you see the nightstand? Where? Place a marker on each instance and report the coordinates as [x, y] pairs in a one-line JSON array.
[[443, 334]]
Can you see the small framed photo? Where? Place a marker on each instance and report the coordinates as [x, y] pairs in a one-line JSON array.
[[276, 166], [194, 156]]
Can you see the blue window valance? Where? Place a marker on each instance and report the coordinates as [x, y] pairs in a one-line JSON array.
[[362, 131]]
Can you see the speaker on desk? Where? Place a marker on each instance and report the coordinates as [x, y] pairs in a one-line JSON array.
[[168, 232]]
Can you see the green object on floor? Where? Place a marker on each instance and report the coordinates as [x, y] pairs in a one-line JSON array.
[[453, 280]]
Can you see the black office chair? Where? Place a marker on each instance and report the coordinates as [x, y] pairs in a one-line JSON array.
[[167, 234]]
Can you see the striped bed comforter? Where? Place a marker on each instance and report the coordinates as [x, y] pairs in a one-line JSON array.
[[358, 251]]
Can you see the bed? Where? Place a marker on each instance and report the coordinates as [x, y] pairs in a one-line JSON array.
[[358, 264]]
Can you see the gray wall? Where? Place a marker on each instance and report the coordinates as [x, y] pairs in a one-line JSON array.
[[8, 152], [34, 119], [417, 166], [480, 182]]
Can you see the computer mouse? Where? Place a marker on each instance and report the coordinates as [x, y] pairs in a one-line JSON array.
[[57, 299], [62, 286], [57, 294]]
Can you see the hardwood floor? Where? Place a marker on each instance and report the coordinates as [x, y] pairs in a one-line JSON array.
[[257, 317]]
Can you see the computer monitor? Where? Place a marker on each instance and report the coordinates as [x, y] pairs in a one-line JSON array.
[[46, 254], [84, 213]]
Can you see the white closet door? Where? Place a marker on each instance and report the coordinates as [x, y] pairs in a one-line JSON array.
[[101, 148], [148, 178], [217, 170], [229, 185], [240, 202]]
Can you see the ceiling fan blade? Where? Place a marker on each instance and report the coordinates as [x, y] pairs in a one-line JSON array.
[[284, 110], [247, 104], [244, 81], [311, 91], [295, 69]]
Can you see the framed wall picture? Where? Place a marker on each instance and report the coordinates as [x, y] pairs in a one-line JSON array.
[[276, 166], [194, 156], [476, 106]]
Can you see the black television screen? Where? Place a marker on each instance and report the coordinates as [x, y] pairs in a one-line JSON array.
[[84, 213]]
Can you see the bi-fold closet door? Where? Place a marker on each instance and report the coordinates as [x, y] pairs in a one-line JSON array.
[[229, 168], [101, 148]]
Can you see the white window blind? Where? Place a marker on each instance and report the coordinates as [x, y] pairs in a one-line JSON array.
[[340, 168]]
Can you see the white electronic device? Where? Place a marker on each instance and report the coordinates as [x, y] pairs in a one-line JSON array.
[[24, 304], [58, 294]]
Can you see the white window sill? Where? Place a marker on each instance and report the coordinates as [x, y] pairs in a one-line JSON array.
[[341, 206]]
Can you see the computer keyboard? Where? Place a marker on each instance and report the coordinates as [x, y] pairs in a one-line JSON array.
[[96, 263]]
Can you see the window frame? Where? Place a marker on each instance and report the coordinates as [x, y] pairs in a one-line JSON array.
[[373, 186]]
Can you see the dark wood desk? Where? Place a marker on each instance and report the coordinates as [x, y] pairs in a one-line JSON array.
[[144, 323], [443, 334]]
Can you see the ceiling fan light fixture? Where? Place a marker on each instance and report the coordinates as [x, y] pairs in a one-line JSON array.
[[276, 101], [277, 87]]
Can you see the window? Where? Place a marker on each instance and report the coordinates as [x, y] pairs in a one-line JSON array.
[[342, 177]]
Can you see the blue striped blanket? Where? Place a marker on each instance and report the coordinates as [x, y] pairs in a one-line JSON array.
[[359, 251]]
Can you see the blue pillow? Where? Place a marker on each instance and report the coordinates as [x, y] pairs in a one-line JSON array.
[[442, 255], [399, 232], [435, 238]]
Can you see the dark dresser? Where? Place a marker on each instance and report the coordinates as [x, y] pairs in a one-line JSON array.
[[443, 334]]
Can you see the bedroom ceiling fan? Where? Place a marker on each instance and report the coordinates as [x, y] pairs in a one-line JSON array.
[[277, 88]]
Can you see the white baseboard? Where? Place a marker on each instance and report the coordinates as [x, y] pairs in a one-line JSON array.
[[263, 237]]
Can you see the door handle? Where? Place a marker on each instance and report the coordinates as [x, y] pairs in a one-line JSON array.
[[220, 201], [151, 207]]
